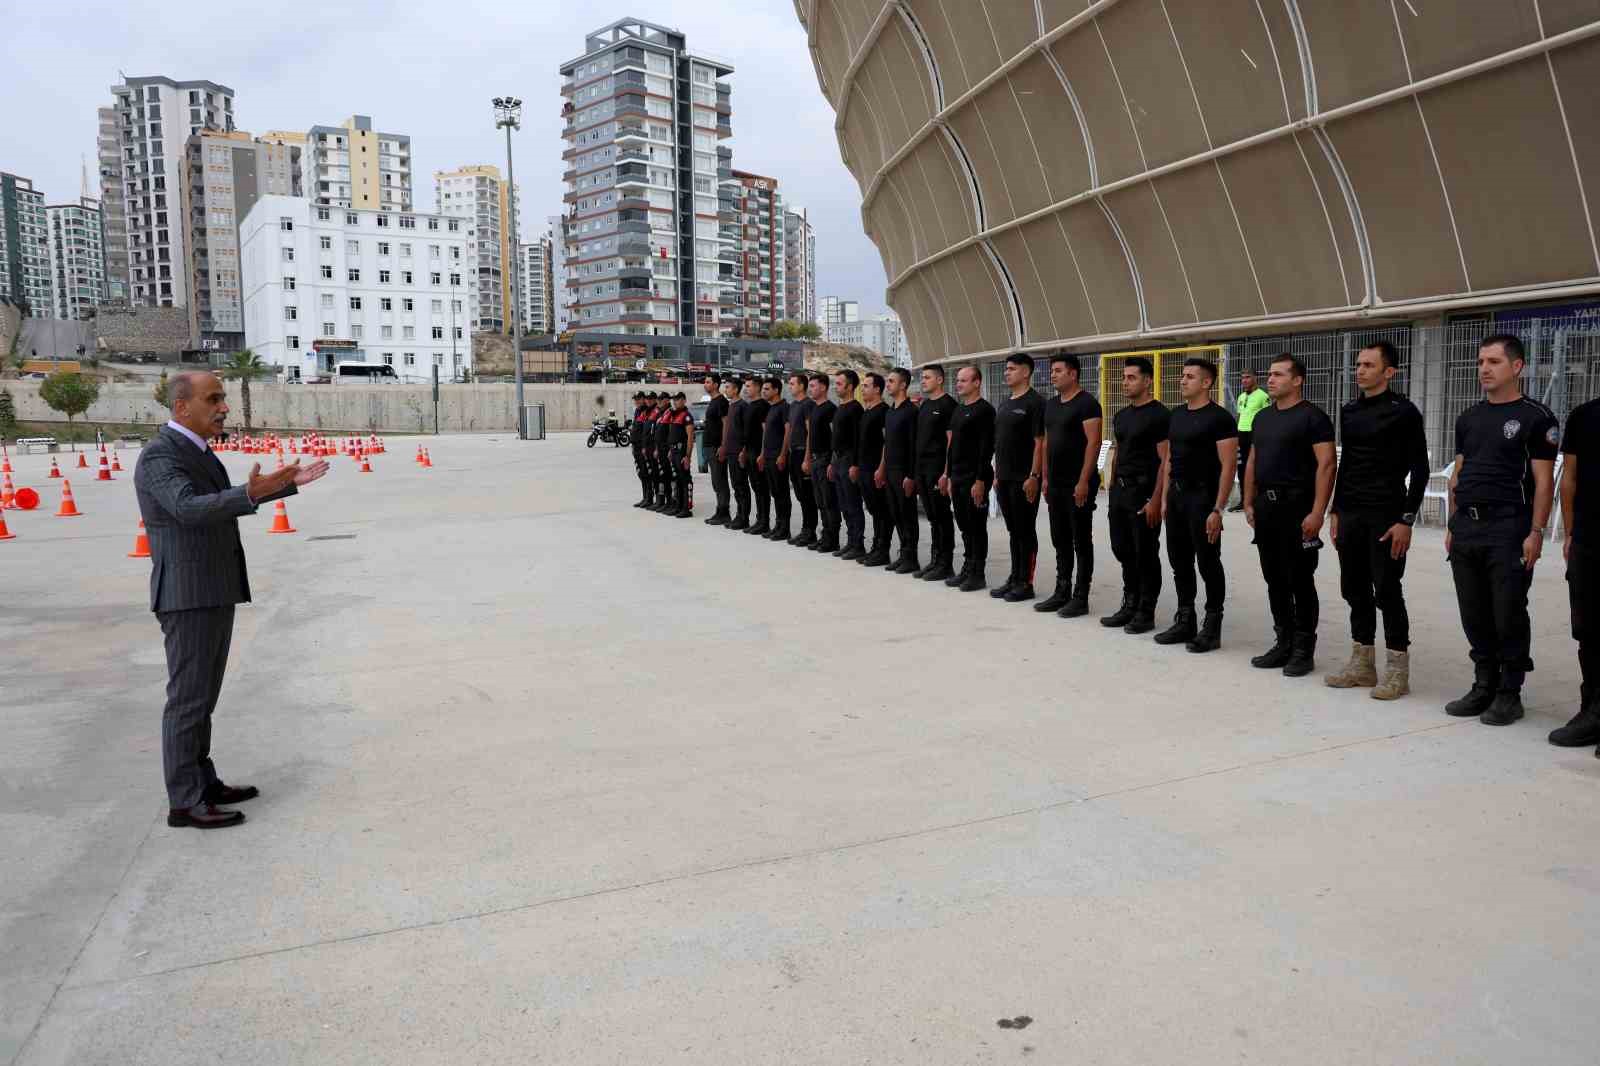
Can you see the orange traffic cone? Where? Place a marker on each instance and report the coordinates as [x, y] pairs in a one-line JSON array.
[[8, 492], [105, 469], [5, 534], [141, 544], [419, 455], [69, 507], [427, 460], [280, 519], [366, 467], [116, 463], [293, 447], [83, 463], [5, 464], [55, 471]]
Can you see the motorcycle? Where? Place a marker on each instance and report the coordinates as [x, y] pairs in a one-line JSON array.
[[607, 430]]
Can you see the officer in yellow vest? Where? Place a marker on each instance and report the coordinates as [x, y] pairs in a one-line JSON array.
[[1252, 398]]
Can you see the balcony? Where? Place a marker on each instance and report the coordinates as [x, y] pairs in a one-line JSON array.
[[636, 273], [629, 79]]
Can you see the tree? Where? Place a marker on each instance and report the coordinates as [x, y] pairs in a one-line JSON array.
[[785, 330], [244, 368], [160, 391], [71, 394], [810, 331], [8, 414]]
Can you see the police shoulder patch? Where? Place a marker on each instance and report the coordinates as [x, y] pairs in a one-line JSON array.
[[1551, 435]]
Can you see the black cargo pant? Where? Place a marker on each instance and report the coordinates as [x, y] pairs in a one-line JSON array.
[[1244, 454], [973, 520], [682, 477], [903, 511], [762, 488], [640, 470], [1583, 586], [719, 479], [1288, 567], [1492, 587], [1022, 528], [740, 476], [1369, 579], [778, 489], [850, 506], [800, 484], [665, 478], [1134, 542], [1072, 534], [1188, 507], [876, 503], [826, 497], [941, 521]]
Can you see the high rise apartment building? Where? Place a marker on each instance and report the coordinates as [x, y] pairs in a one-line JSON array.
[[643, 231], [352, 165], [535, 275], [77, 258], [561, 310], [227, 173], [142, 162], [836, 311], [754, 301], [478, 195], [25, 271], [799, 267]]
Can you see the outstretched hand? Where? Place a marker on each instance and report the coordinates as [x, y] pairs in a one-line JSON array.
[[261, 486]]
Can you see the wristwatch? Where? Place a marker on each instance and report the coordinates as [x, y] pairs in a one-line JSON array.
[[1409, 518], [1216, 510]]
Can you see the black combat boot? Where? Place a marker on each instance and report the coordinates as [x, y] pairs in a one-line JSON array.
[[999, 592], [718, 518], [1302, 655], [1210, 636], [1485, 679], [853, 550], [779, 532], [878, 556], [975, 580], [959, 578], [1056, 600], [1078, 605], [1507, 705], [1181, 631], [939, 568], [1122, 615], [1021, 592], [1143, 621], [1584, 729], [805, 539], [1274, 657]]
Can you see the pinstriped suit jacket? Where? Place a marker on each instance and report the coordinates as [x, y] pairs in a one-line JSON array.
[[191, 514]]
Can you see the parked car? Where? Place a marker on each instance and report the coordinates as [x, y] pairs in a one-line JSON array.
[[368, 374]]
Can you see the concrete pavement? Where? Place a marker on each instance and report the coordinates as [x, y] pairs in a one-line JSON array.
[[549, 779]]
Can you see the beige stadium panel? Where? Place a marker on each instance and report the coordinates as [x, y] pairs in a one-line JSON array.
[[906, 186], [961, 40], [1110, 277], [1150, 72], [1082, 57], [1056, 12], [1165, 284], [861, 138], [1057, 135], [1355, 49], [919, 295], [1518, 224], [934, 173], [1560, 16], [1002, 148], [1233, 64], [1280, 27], [1578, 72], [984, 297], [889, 226], [1219, 270], [1441, 37], [832, 49], [1050, 286], [855, 20], [902, 78], [1336, 205]]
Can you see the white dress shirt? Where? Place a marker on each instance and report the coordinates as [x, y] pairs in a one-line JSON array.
[[199, 442]]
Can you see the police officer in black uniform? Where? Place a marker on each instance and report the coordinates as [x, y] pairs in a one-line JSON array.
[[1202, 450], [897, 472], [1500, 493], [774, 457], [1383, 472], [794, 452], [819, 461], [1580, 518], [655, 407], [1019, 473], [680, 453], [1137, 472], [734, 447], [969, 474], [869, 457], [755, 421], [1287, 486], [636, 444], [846, 470], [1072, 421], [716, 459], [932, 459]]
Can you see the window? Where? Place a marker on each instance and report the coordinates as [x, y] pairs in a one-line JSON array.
[[352, 247], [405, 251], [383, 247], [438, 305], [290, 314], [407, 277], [411, 359], [383, 277], [286, 224], [433, 251], [438, 333], [455, 305], [455, 227], [408, 333], [327, 329], [408, 304], [355, 303], [355, 332], [457, 359], [322, 214], [354, 273], [385, 304], [350, 217], [455, 279], [327, 300], [408, 222], [434, 278], [288, 283], [288, 255], [325, 243], [455, 253], [291, 340], [433, 224], [438, 360], [327, 272], [383, 221], [458, 333], [387, 332], [388, 359]]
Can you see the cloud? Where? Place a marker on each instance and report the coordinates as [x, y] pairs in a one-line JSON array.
[[430, 70]]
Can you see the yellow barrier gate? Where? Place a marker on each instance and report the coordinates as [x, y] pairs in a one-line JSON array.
[[1168, 366]]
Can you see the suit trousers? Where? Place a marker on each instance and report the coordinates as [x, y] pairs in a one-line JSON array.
[[974, 523], [197, 644], [1072, 533], [1135, 543], [855, 519], [778, 488], [740, 475], [800, 484], [826, 495], [1188, 550], [1289, 568], [719, 479], [1492, 588], [941, 520], [1022, 528], [903, 511], [1370, 579]]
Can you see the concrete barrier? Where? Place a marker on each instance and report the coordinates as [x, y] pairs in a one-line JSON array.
[[471, 408]]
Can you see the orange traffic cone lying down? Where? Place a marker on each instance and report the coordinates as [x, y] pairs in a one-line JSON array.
[[69, 507], [280, 519], [55, 471], [5, 534], [141, 544]]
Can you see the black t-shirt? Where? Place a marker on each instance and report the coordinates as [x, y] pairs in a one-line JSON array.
[[1192, 437], [933, 422], [755, 416], [1382, 441], [870, 451], [972, 442], [1583, 438], [716, 411], [821, 431], [1018, 422], [900, 438], [1281, 444], [1137, 431], [733, 428], [772, 434], [1065, 437], [799, 419], [847, 432], [1497, 443]]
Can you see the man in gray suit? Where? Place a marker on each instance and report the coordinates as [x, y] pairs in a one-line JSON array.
[[197, 576]]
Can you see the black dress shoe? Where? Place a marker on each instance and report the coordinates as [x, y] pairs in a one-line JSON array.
[[222, 795], [203, 816], [1020, 593]]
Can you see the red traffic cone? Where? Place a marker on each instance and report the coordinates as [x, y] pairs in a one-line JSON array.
[[427, 460], [5, 534], [83, 463], [5, 460], [366, 467], [116, 463], [55, 471], [419, 455], [69, 507], [105, 469], [280, 519], [141, 544], [8, 492]]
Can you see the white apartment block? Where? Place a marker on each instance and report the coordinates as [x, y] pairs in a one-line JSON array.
[[558, 277], [478, 195], [836, 311], [25, 263], [882, 335], [352, 165], [800, 266], [142, 164], [537, 294], [77, 258], [327, 285]]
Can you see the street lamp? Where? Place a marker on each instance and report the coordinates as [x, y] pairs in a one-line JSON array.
[[508, 116]]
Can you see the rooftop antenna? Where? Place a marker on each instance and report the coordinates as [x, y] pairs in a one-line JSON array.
[[83, 177]]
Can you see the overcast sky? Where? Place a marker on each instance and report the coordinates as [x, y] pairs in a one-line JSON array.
[[428, 70]]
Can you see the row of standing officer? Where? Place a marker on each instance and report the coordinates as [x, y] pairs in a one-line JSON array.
[[662, 438]]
